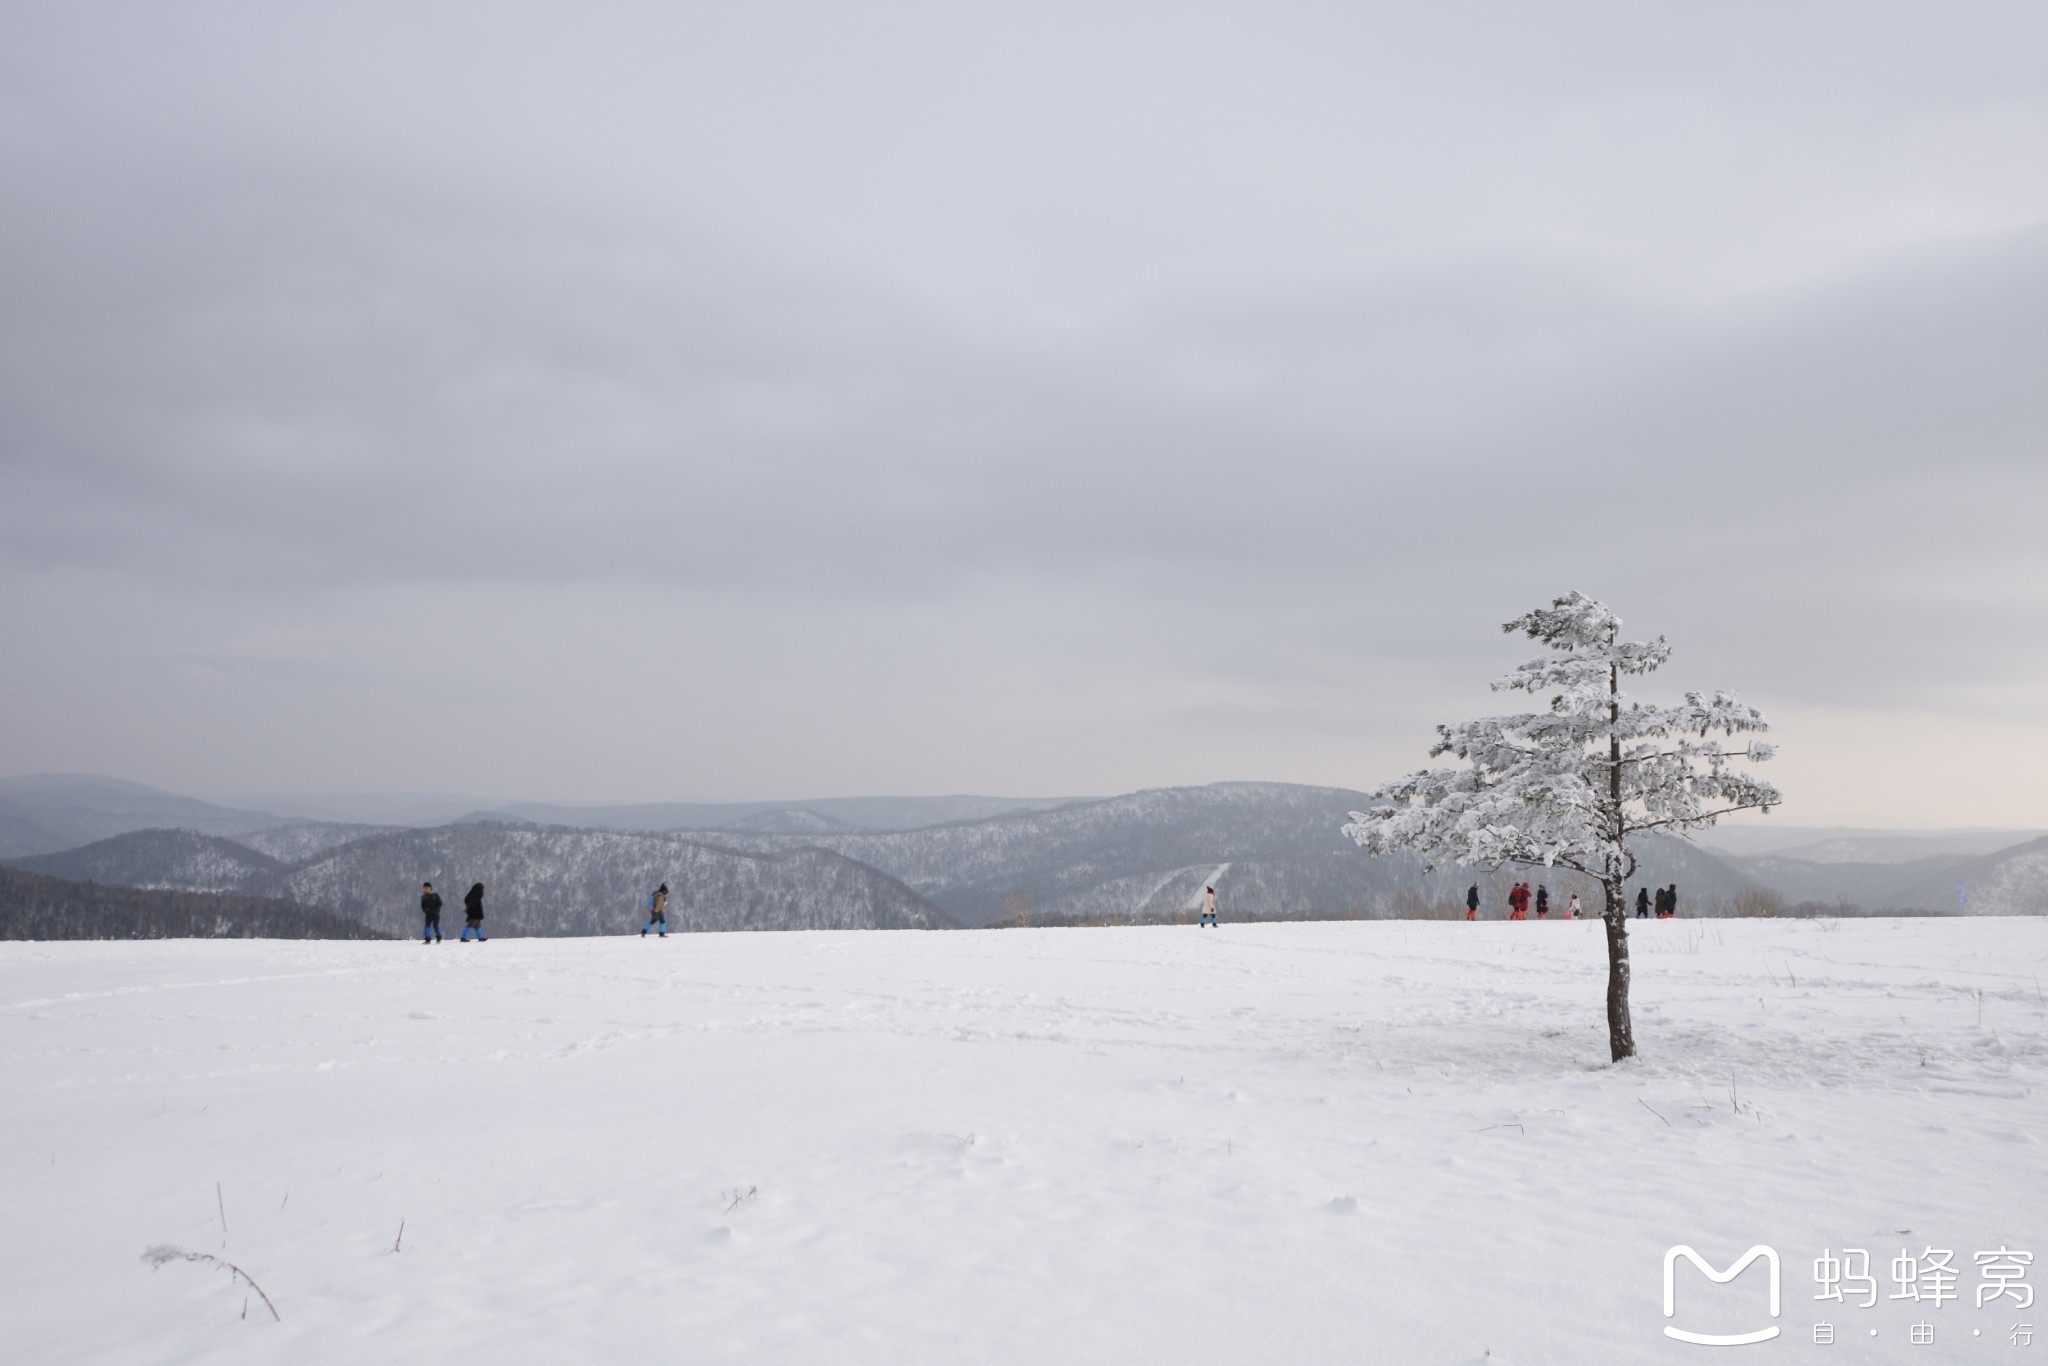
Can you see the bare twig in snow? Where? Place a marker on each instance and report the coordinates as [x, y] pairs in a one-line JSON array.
[[222, 1201], [399, 1243], [1652, 1109], [164, 1253]]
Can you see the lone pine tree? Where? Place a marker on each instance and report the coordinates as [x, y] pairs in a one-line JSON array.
[[1570, 785]]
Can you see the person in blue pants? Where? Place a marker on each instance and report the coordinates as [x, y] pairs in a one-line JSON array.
[[473, 914], [657, 912], [430, 909]]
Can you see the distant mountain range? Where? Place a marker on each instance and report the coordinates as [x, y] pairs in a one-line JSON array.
[[424, 809], [1847, 844], [1271, 850], [50, 812], [44, 813]]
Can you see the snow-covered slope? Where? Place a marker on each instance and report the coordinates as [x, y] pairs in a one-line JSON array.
[[543, 880], [1384, 1143], [1864, 886], [2011, 882], [181, 859]]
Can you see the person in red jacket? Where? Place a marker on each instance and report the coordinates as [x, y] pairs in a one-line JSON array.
[[1518, 899]]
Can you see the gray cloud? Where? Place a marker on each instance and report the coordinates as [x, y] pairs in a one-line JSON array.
[[1034, 401]]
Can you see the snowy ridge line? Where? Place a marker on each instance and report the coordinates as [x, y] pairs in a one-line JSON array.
[[1115, 860]]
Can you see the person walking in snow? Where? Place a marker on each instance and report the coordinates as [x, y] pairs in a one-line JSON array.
[[430, 910], [473, 914], [1518, 902], [1573, 911], [657, 911], [1472, 902], [1671, 902], [1642, 903], [1542, 902], [1209, 906]]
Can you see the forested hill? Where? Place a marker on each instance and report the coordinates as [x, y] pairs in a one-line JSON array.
[[36, 906], [555, 881], [182, 859]]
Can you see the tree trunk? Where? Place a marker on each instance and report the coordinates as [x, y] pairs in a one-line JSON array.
[[1621, 1034]]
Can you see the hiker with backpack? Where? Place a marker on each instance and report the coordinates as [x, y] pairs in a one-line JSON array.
[[1472, 902], [657, 912]]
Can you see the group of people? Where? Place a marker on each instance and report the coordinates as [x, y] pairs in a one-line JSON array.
[[1667, 902], [472, 913], [1519, 900]]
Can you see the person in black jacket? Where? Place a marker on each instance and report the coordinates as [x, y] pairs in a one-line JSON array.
[[1472, 902], [473, 913], [430, 907], [1642, 903], [1542, 902], [1671, 902]]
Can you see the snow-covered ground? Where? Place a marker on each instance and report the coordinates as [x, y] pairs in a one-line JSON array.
[[1351, 1142]]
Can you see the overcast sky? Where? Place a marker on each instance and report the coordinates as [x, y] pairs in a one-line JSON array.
[[606, 402]]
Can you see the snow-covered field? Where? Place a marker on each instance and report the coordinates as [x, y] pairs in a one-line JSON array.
[[1354, 1142]]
